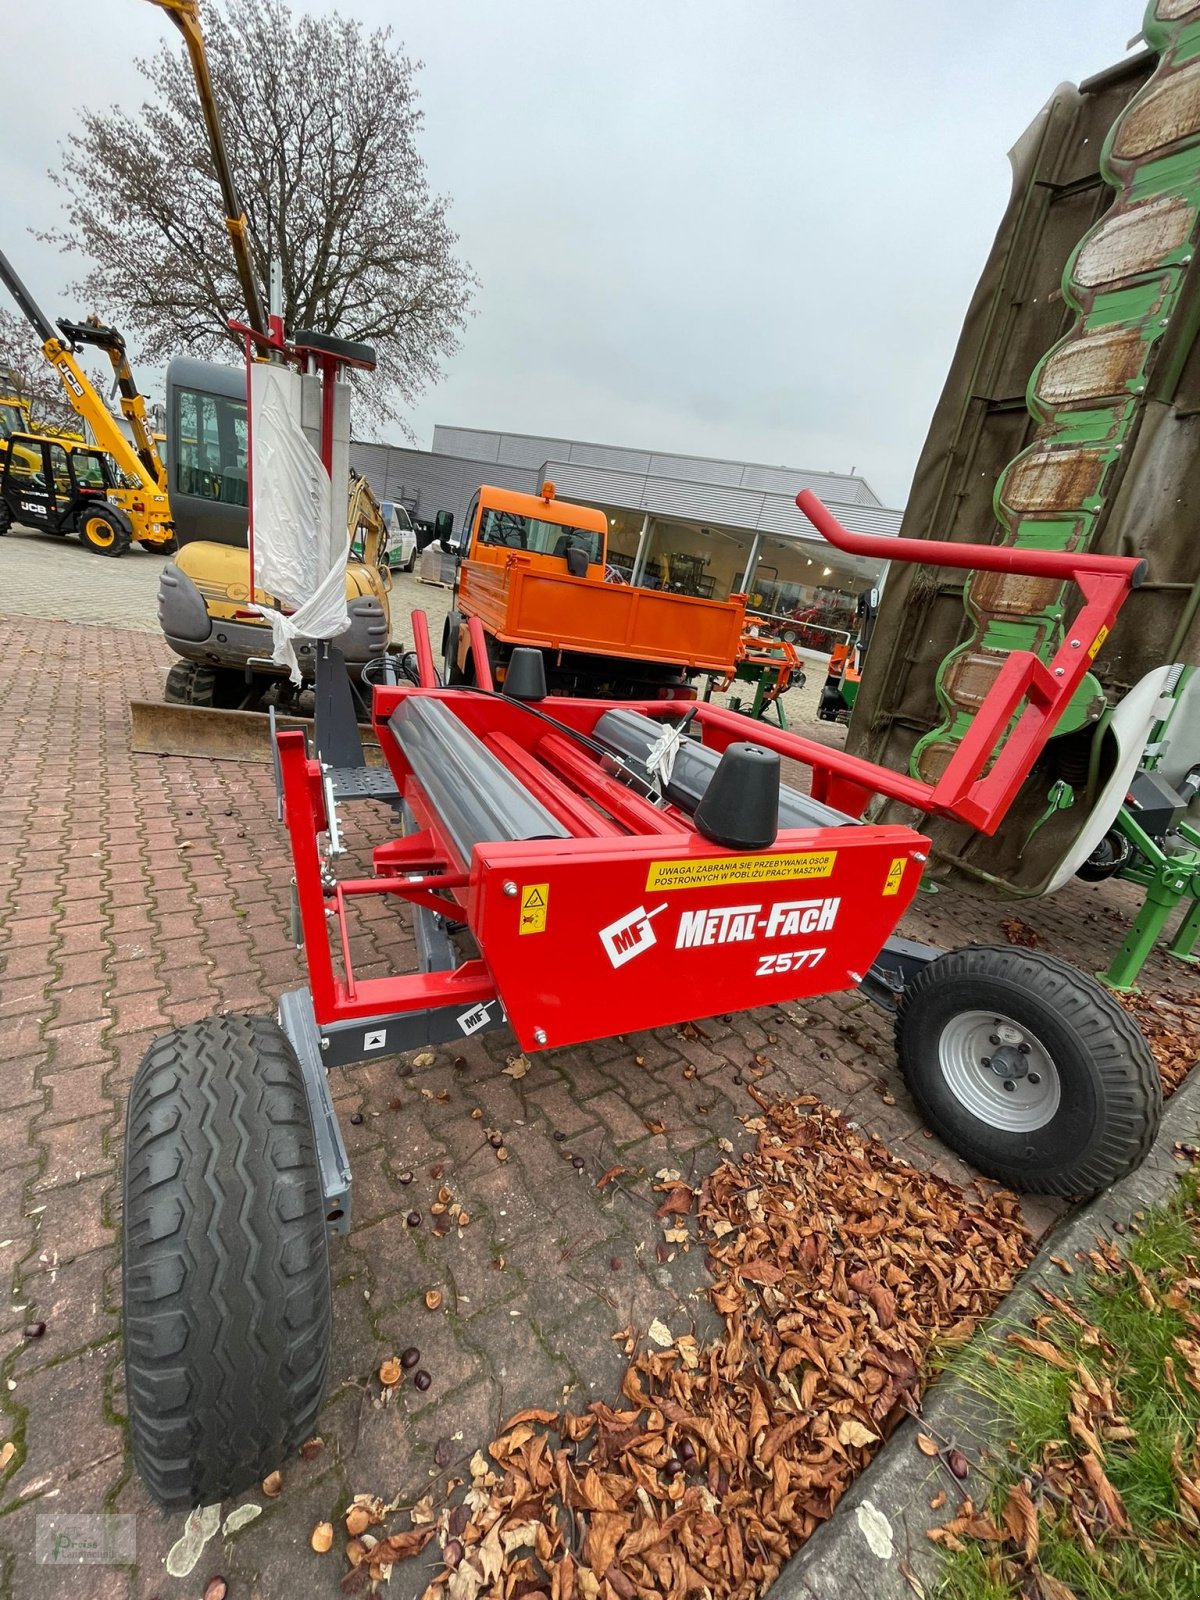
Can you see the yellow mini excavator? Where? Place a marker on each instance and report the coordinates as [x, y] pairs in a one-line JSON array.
[[208, 615]]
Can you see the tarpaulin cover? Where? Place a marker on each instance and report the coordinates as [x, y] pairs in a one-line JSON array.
[[300, 547]]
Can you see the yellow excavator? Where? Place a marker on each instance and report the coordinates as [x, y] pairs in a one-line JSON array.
[[207, 612], [137, 477], [15, 420]]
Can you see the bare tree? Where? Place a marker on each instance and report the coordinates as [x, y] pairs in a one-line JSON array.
[[321, 122], [25, 374]]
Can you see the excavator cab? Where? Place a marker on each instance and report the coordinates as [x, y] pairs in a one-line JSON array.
[[15, 419]]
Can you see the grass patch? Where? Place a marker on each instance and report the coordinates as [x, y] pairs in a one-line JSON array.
[[1104, 1410]]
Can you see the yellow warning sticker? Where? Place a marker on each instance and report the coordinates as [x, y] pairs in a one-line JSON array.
[[718, 870], [533, 908], [895, 875], [1099, 640]]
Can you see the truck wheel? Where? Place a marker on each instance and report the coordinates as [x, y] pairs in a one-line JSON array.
[[102, 533], [227, 1314], [160, 547], [1028, 1069], [189, 684], [5, 519]]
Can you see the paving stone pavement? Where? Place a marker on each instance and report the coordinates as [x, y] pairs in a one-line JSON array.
[[139, 892]]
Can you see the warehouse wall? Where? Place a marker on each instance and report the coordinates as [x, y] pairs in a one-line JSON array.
[[428, 483]]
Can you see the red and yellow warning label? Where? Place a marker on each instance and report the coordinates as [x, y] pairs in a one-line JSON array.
[[895, 875], [534, 897]]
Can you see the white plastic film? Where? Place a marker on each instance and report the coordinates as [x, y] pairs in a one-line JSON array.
[[300, 545]]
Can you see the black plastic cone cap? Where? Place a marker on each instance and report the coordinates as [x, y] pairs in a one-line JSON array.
[[740, 807], [525, 678]]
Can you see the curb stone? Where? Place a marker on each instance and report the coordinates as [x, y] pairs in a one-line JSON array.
[[875, 1544]]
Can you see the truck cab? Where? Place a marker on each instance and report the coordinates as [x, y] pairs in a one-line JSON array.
[[507, 529], [533, 569]]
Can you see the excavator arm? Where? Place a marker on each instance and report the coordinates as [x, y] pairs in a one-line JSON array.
[[185, 14], [58, 350], [364, 515], [133, 407]]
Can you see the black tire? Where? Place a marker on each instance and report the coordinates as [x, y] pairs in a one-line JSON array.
[[160, 547], [103, 531], [410, 564], [190, 684], [5, 519], [227, 1314], [452, 674], [1088, 1049], [1112, 853]]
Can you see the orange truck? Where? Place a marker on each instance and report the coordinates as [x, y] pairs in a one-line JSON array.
[[533, 570]]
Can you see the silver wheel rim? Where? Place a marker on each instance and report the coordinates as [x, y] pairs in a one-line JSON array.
[[999, 1071]]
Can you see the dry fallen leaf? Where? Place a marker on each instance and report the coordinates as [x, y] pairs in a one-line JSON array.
[[322, 1537], [517, 1067], [852, 1432], [834, 1267], [422, 1512]]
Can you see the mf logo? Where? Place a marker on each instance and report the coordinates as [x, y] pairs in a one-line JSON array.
[[477, 1017], [629, 935]]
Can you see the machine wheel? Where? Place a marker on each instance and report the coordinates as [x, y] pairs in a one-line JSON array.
[[1028, 1069], [160, 547], [189, 684], [102, 533], [227, 1310], [451, 672], [1107, 859], [5, 519]]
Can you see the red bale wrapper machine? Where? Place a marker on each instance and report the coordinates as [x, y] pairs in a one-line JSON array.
[[576, 869]]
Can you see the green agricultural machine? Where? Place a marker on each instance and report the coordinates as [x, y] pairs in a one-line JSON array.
[[1070, 420]]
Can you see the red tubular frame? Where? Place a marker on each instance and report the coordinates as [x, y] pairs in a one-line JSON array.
[[608, 822], [963, 791]]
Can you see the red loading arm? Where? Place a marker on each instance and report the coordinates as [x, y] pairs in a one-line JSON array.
[[1064, 564], [1045, 691]]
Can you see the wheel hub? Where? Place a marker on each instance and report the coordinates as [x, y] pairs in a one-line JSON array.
[[999, 1070]]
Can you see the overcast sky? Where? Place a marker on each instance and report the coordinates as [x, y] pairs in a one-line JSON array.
[[744, 229]]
